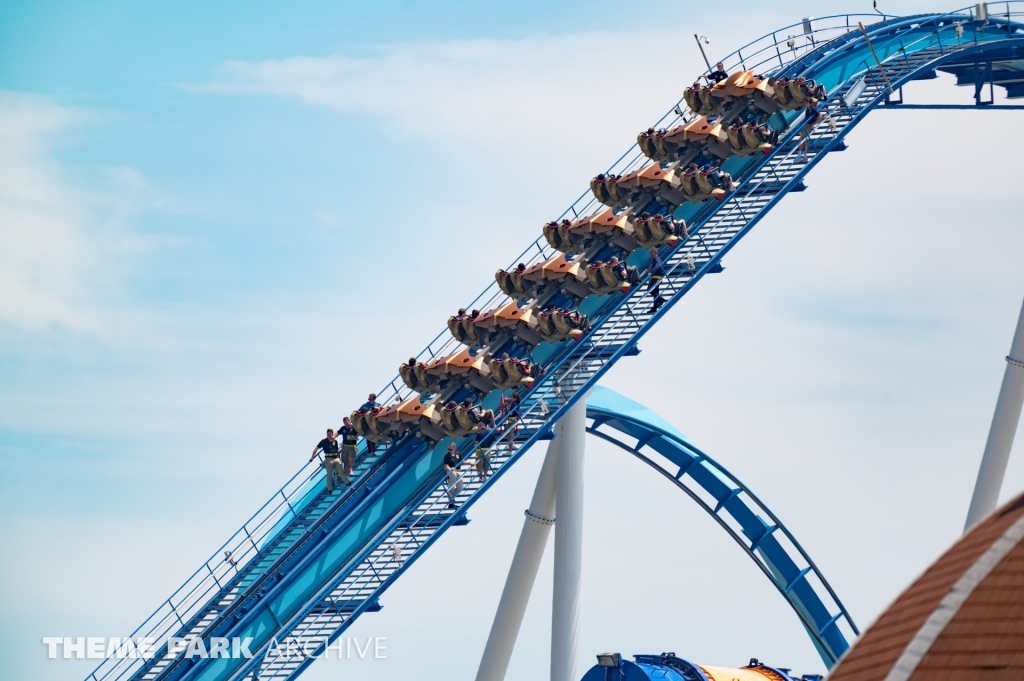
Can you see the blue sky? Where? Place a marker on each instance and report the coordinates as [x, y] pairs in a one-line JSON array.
[[220, 226]]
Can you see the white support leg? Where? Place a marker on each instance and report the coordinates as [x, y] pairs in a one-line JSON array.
[[521, 576], [565, 614], [1000, 435]]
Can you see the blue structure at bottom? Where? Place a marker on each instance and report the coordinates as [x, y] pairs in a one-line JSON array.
[[668, 667]]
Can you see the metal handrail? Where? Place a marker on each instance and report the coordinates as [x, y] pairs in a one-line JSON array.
[[160, 623]]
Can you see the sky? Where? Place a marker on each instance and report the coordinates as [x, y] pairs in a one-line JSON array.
[[221, 225]]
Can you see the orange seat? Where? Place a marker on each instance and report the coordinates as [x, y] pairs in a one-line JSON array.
[[739, 84], [506, 316], [412, 410]]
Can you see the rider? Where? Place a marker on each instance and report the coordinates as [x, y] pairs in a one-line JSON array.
[[624, 272], [485, 416], [369, 406]]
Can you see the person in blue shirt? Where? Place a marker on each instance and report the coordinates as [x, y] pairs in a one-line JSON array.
[[368, 406], [657, 271], [349, 441], [812, 114], [452, 464], [718, 75]]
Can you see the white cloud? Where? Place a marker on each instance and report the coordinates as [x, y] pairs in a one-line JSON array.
[[529, 92], [60, 227]]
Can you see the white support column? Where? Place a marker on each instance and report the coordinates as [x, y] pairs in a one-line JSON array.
[[1000, 435], [521, 576], [565, 612]]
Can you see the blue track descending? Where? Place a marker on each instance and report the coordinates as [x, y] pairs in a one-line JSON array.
[[639, 431], [308, 563]]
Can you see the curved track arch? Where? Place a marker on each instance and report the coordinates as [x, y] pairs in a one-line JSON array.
[[307, 564], [759, 532]]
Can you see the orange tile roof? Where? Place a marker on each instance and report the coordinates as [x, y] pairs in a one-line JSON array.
[[984, 640]]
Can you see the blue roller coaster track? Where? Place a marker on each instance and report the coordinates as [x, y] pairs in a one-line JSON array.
[[308, 563], [639, 431]]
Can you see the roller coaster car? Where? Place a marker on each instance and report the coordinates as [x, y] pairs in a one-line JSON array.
[[628, 188], [464, 330], [605, 224], [663, 145], [651, 231], [712, 180], [412, 415], [604, 278], [369, 425], [709, 136], [415, 375], [750, 138], [803, 90], [695, 186], [462, 367], [652, 176], [508, 318], [473, 418], [648, 144], [450, 421], [793, 94], [509, 372], [459, 420], [718, 97], [698, 98], [407, 411], [554, 269], [561, 238], [598, 186], [512, 284], [529, 281], [526, 326], [606, 189], [556, 325], [739, 84], [700, 134]]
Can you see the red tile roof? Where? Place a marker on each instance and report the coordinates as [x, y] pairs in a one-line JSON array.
[[983, 640]]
